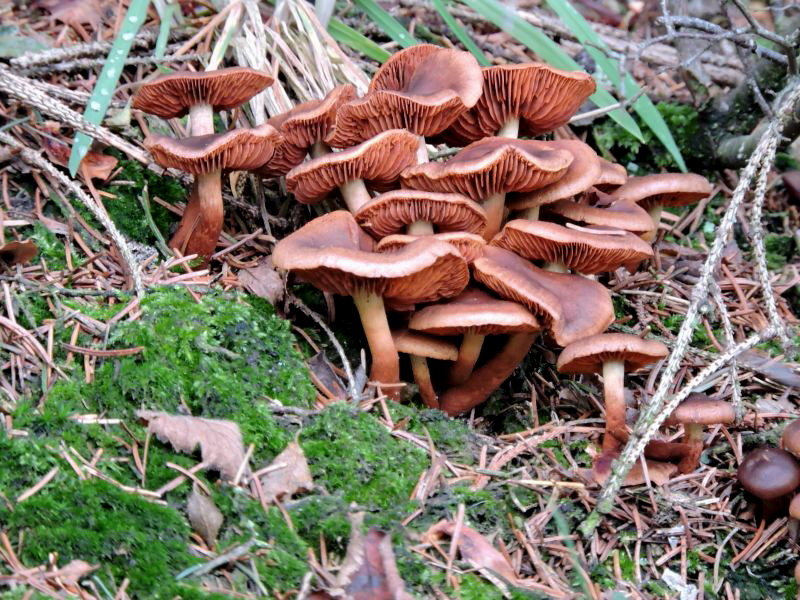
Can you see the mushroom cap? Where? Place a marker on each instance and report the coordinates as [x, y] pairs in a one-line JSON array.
[[572, 306], [427, 346], [491, 166], [580, 250], [469, 245], [794, 512], [700, 409], [579, 177], [540, 96], [237, 149], [419, 89], [769, 473], [622, 214], [17, 253], [667, 189], [390, 212], [587, 355], [327, 252], [612, 175], [169, 96], [303, 126], [474, 311], [379, 161], [790, 440]]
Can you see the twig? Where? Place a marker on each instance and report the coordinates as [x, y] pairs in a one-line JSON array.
[[90, 63]]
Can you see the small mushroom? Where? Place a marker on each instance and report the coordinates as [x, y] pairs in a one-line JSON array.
[[17, 253], [420, 348], [790, 439], [611, 177], [622, 215], [469, 245], [772, 475], [694, 412]]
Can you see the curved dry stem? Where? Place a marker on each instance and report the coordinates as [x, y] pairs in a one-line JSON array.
[[468, 354], [385, 360], [510, 128], [203, 218], [532, 214], [494, 206], [555, 267], [320, 148], [422, 377], [420, 228], [355, 194], [201, 119], [654, 210], [693, 438], [614, 397]]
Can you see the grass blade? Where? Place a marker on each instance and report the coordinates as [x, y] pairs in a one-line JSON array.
[[531, 37], [351, 38], [388, 24], [596, 47], [107, 81], [163, 29], [460, 33]]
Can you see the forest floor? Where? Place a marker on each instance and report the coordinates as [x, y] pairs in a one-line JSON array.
[[100, 389]]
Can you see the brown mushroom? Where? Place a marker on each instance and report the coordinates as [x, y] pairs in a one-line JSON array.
[[420, 348], [790, 439], [694, 412], [205, 156], [378, 161], [584, 250], [624, 215], [611, 176], [772, 475], [469, 245], [474, 314], [489, 169], [333, 254], [17, 253]]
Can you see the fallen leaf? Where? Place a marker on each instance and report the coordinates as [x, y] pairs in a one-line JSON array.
[[263, 281], [71, 573], [220, 441], [291, 475], [94, 165], [781, 372], [325, 378], [204, 516], [17, 253], [74, 11]]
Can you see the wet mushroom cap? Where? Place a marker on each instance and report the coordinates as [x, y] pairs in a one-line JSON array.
[[700, 409], [327, 252], [543, 98], [624, 215], [427, 346], [587, 355], [378, 161], [583, 172], [668, 189], [572, 306], [423, 95], [391, 212], [769, 473], [469, 245], [170, 96], [237, 149], [474, 311], [581, 250], [491, 166], [17, 253], [790, 440]]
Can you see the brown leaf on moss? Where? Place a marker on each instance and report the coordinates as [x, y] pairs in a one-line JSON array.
[[289, 475], [95, 165], [204, 516], [263, 281], [220, 442]]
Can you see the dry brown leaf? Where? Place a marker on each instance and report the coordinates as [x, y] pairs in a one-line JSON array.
[[325, 378], [94, 165], [292, 477], [264, 281], [204, 516], [783, 373], [75, 11], [220, 441]]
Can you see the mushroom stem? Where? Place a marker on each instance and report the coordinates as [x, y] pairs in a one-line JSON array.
[[202, 221], [693, 438], [654, 210], [422, 151], [320, 149], [385, 360], [488, 377], [468, 354], [510, 128], [555, 267], [422, 377], [420, 228], [355, 194], [532, 214], [614, 395], [494, 206], [201, 119]]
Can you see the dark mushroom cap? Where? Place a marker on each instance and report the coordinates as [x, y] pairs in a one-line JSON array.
[[469, 245], [17, 253], [790, 440], [474, 311], [169, 96], [769, 473], [581, 250], [327, 252], [379, 161], [427, 346], [491, 166], [700, 409], [391, 212], [421, 89], [579, 177], [237, 149], [668, 189], [587, 355], [572, 306], [622, 214], [302, 127], [542, 97]]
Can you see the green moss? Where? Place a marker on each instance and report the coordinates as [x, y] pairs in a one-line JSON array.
[[780, 248], [51, 249]]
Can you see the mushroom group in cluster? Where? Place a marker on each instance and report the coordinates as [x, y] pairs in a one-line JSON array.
[[507, 237]]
